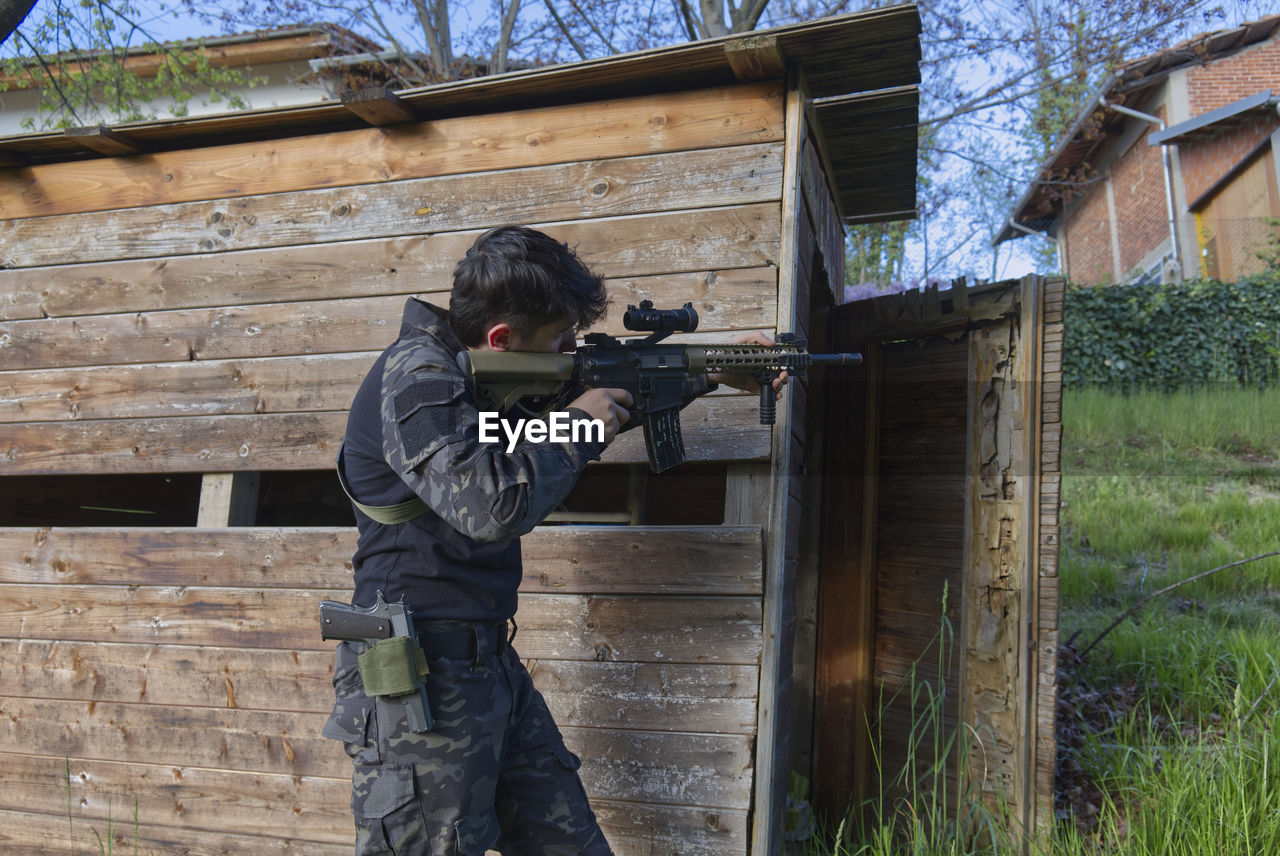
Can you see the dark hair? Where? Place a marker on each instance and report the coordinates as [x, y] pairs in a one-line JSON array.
[[525, 278]]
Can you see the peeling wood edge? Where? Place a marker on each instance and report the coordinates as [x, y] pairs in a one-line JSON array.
[[1032, 323]]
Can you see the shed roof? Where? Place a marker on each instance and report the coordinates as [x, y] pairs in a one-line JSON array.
[[1095, 126], [281, 44], [862, 70]]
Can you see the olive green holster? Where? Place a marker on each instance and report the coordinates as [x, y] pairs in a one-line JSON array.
[[393, 667]]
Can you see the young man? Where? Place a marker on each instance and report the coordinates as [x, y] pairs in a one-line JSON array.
[[493, 771]]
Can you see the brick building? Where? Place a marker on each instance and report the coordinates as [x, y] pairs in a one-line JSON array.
[[1169, 171]]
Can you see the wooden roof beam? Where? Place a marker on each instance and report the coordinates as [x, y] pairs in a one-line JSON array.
[[103, 140], [379, 106], [757, 57]]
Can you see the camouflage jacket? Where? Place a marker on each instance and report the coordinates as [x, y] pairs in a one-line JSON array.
[[414, 430]]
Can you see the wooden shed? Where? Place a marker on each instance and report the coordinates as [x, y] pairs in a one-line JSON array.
[[187, 307]]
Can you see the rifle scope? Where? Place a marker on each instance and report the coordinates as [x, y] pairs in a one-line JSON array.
[[646, 319]]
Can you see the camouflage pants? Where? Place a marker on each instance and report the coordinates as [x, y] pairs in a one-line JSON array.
[[493, 773]]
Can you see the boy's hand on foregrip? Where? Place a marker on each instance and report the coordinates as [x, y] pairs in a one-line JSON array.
[[610, 405], [747, 382]]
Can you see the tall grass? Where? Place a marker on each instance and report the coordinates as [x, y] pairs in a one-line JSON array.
[[937, 803], [1185, 794]]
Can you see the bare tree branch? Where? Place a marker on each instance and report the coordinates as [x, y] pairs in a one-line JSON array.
[[1155, 594], [441, 52], [564, 28], [498, 63], [592, 24], [691, 26]]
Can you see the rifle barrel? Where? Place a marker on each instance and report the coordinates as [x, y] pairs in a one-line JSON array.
[[845, 359]]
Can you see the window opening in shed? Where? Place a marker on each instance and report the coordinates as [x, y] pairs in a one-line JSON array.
[[171, 499], [692, 494], [302, 498]]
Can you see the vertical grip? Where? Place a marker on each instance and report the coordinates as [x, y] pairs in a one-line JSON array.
[[663, 439], [768, 403]]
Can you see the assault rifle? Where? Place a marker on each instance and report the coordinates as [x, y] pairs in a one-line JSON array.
[[395, 664], [653, 372]]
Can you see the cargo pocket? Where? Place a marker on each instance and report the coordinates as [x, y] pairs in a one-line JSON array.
[[582, 818], [476, 833], [388, 817]]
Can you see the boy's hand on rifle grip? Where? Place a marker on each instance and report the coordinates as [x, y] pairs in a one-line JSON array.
[[747, 382], [610, 405]]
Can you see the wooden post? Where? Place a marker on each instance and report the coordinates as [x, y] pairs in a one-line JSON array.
[[637, 489], [228, 499], [773, 714]]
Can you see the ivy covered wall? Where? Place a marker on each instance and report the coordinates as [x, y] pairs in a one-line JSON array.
[[1171, 336]]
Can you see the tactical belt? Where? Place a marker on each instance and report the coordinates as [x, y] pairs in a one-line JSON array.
[[462, 642], [387, 514]]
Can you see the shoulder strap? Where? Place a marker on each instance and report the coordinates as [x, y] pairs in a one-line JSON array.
[[387, 514]]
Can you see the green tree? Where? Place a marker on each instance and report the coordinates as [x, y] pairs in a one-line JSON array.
[[93, 62]]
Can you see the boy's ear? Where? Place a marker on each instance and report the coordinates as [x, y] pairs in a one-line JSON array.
[[498, 337]]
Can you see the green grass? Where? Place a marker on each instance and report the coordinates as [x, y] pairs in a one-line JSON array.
[[1156, 488], [1181, 736]]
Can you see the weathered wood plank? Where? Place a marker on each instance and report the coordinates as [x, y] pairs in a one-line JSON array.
[[294, 441], [202, 388], [557, 627], [280, 329], [669, 697], [643, 560], [679, 769], [670, 122], [280, 812], [637, 829], [716, 428], [651, 629], [246, 740], [313, 327], [170, 675], [710, 770], [340, 269], [364, 268], [557, 559], [39, 834], [183, 796], [566, 192], [672, 697]]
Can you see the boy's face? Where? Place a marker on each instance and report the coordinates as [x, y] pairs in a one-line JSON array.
[[551, 338]]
